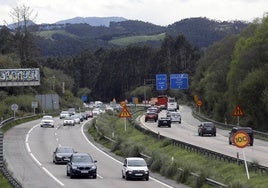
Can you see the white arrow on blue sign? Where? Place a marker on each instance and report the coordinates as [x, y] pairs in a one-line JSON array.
[[161, 82]]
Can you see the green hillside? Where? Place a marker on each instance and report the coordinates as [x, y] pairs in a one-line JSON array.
[[49, 34], [124, 41]]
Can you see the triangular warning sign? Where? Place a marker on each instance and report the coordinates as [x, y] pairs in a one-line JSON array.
[[238, 111], [125, 113]]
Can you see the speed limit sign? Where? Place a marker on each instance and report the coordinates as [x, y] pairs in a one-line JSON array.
[[241, 139]]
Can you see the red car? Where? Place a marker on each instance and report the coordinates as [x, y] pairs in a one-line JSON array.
[[152, 116]]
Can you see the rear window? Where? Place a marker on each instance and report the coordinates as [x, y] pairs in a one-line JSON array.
[[208, 125]]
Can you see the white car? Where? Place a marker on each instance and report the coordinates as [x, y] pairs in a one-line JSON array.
[[64, 114], [68, 121], [76, 119], [96, 112], [135, 168], [47, 121]]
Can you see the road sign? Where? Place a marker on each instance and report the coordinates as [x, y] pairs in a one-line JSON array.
[[161, 82], [179, 81], [238, 111], [123, 104], [14, 107], [199, 103], [241, 139], [124, 113]]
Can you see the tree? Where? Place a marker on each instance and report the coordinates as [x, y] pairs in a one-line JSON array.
[[23, 17]]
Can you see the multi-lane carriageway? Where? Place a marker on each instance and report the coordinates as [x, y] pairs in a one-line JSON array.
[[28, 152]]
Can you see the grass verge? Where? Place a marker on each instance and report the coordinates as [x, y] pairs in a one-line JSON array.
[[167, 159]]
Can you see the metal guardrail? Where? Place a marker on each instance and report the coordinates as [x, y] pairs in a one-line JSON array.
[[224, 125], [2, 123], [1, 150], [3, 169]]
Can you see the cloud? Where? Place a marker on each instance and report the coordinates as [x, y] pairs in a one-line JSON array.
[[161, 12]]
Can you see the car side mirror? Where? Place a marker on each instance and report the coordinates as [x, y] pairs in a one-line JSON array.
[[95, 161], [124, 165]]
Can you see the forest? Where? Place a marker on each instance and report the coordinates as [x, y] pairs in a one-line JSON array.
[[229, 72]]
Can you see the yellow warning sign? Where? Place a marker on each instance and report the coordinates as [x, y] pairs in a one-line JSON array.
[[238, 111], [125, 113]]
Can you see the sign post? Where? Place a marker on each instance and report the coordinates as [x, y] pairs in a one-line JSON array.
[[199, 104], [241, 140], [124, 113]]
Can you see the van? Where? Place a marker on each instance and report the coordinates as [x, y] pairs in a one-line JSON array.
[[175, 116]]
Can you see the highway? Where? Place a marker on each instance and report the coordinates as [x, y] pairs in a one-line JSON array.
[[187, 132], [28, 150]]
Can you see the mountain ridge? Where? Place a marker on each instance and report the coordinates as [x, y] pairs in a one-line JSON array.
[[93, 21]]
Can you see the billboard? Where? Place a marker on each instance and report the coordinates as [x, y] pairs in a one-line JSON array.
[[19, 77]]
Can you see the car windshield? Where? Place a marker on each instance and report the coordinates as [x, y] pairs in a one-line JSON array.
[[65, 150], [136, 163], [47, 118], [82, 159]]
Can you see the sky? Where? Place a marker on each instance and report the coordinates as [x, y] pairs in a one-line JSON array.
[[159, 12]]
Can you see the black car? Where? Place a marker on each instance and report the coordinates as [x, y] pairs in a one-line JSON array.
[[81, 164], [62, 154], [247, 130], [207, 128], [164, 121]]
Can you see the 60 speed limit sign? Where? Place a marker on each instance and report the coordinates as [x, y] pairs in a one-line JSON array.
[[241, 139]]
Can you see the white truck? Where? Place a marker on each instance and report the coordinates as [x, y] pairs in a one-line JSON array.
[[172, 104]]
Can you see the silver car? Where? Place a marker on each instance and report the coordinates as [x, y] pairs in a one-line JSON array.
[[68, 121]]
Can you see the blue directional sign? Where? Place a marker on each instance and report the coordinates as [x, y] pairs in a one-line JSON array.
[[179, 81], [84, 98], [161, 82]]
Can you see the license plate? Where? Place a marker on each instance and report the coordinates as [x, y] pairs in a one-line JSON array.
[[209, 129], [84, 171], [164, 121], [138, 174]]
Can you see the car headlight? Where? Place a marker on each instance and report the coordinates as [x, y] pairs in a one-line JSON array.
[[74, 167], [129, 171], [58, 155], [93, 167]]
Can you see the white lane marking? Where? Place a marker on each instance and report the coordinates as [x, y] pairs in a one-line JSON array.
[[58, 181], [82, 128], [35, 159]]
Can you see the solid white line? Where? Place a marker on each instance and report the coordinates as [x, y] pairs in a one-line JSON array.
[[82, 128], [51, 175], [35, 159]]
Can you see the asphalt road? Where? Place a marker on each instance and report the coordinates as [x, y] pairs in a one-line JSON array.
[[28, 152], [187, 132]]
